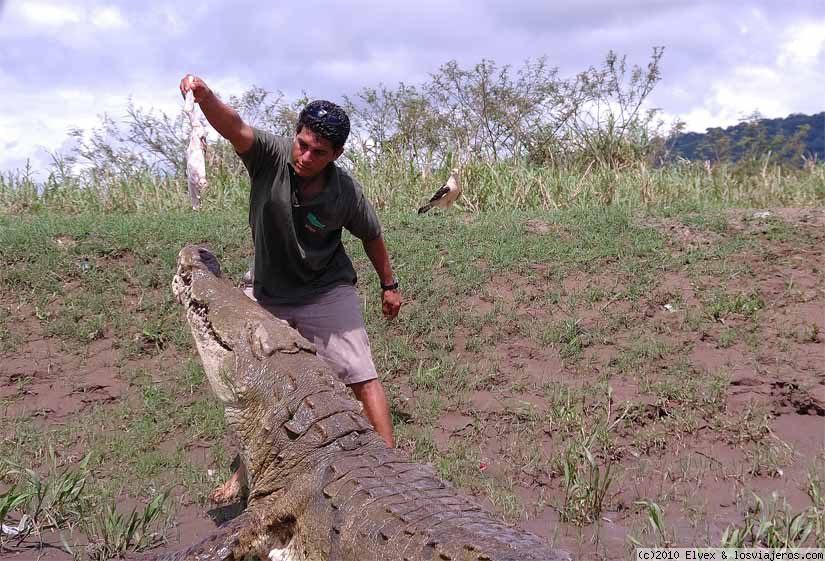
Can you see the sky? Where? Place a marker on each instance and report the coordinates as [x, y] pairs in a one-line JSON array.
[[65, 63]]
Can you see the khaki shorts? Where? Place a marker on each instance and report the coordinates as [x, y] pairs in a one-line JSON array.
[[333, 322]]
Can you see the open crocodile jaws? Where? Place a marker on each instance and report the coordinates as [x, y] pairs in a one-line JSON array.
[[323, 486]]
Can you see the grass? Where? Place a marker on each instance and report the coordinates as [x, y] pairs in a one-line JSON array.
[[393, 184], [586, 485], [571, 369], [113, 534], [63, 500], [722, 305], [640, 352], [772, 523], [657, 526], [569, 336], [45, 502]]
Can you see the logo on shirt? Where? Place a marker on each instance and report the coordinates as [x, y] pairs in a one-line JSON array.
[[314, 224]]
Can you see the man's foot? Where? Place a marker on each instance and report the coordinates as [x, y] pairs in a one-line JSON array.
[[230, 490]]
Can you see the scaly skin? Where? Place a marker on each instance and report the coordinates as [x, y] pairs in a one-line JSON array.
[[323, 485]]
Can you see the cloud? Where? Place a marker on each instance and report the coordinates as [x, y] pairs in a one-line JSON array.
[[108, 17], [44, 130], [63, 63], [46, 14], [803, 43], [785, 79], [42, 18]]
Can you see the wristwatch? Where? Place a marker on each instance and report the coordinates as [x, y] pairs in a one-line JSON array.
[[393, 286]]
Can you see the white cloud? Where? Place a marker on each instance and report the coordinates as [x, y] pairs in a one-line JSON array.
[[789, 82], [63, 62], [389, 66], [108, 17], [804, 43], [171, 21], [49, 115], [46, 14], [226, 85], [41, 17]]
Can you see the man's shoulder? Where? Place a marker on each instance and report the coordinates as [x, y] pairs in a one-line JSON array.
[[350, 187], [359, 216], [277, 141]]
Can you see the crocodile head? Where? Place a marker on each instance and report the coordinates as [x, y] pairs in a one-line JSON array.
[[227, 325], [235, 338]]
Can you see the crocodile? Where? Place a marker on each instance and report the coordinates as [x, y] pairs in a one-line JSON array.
[[323, 485]]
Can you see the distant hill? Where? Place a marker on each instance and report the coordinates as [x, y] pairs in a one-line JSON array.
[[786, 138]]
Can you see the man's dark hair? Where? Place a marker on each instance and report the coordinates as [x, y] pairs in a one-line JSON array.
[[327, 120]]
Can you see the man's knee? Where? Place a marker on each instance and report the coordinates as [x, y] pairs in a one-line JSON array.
[[363, 390]]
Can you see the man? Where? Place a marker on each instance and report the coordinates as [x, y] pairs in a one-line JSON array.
[[299, 203]]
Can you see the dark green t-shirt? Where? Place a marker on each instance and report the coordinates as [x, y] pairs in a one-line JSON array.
[[298, 249]]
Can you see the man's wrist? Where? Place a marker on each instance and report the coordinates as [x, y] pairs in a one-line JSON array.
[[390, 286]]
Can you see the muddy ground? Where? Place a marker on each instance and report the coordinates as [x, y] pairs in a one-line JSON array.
[[700, 393]]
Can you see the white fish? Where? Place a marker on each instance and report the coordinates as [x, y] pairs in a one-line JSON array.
[[446, 195], [195, 162], [23, 526]]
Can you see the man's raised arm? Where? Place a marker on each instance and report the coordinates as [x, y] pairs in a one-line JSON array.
[[223, 118]]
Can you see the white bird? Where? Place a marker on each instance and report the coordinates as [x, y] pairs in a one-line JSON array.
[[195, 163], [446, 195]]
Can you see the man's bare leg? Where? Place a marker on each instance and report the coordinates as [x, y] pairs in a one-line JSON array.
[[371, 395]]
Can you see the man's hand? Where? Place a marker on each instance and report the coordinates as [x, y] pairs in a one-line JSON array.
[[223, 118], [391, 304], [199, 88], [377, 252]]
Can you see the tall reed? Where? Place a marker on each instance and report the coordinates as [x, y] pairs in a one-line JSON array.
[[394, 185]]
